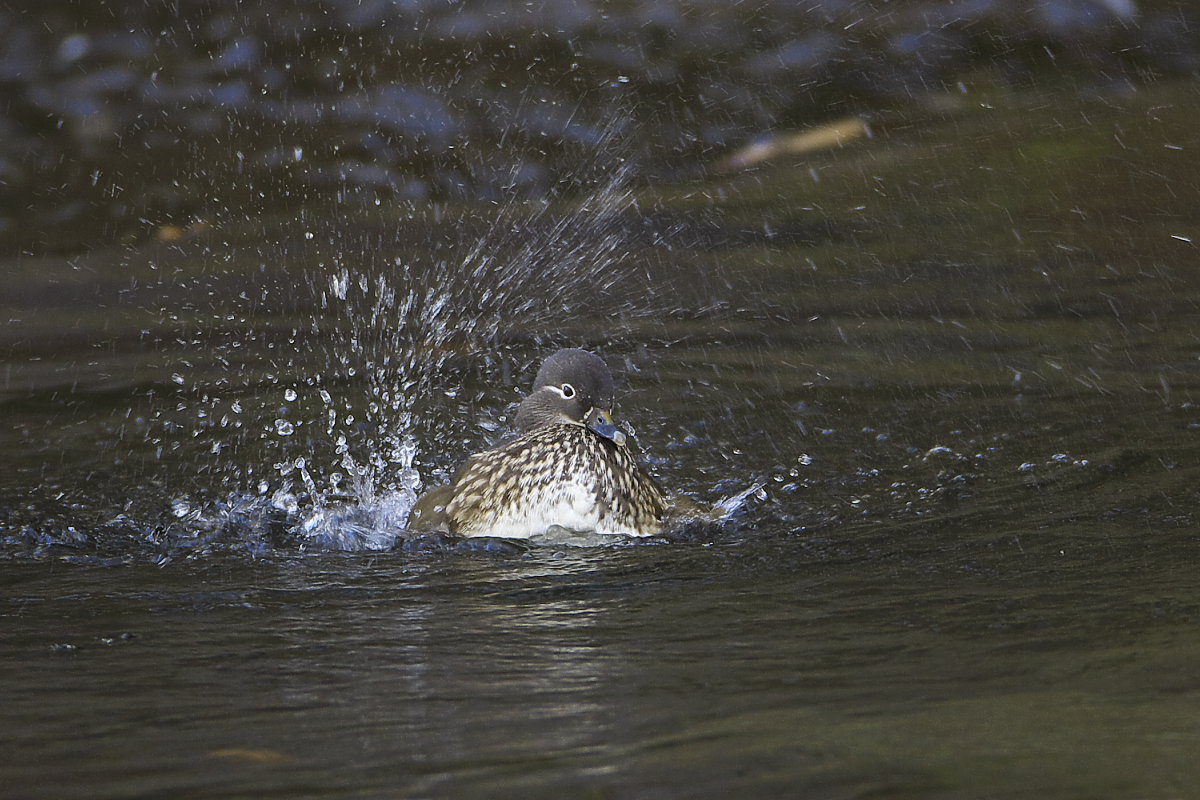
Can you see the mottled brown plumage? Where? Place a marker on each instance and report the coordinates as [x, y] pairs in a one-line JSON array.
[[570, 467]]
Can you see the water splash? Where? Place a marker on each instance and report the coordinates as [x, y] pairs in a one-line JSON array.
[[338, 450], [728, 506]]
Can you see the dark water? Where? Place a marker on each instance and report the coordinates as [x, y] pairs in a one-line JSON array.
[[962, 358]]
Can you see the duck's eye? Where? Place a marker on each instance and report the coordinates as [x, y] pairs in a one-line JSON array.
[[568, 391]]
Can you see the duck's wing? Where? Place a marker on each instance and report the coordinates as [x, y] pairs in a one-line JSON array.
[[429, 513]]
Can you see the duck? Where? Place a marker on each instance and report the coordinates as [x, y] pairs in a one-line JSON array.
[[569, 467]]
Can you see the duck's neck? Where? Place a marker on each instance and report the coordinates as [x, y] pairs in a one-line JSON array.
[[533, 414]]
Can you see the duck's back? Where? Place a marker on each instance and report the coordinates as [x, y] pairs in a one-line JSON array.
[[557, 475]]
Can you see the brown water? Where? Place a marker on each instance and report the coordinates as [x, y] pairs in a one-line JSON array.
[[962, 357]]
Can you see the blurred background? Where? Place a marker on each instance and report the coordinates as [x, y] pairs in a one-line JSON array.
[[119, 120]]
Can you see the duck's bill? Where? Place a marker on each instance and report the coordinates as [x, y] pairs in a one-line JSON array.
[[600, 422]]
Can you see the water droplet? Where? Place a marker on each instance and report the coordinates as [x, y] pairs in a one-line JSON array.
[[290, 395], [284, 428], [339, 283]]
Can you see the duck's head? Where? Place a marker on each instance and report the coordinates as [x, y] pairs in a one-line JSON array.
[[572, 386]]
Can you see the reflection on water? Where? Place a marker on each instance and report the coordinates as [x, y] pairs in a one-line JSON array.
[[962, 363], [946, 659]]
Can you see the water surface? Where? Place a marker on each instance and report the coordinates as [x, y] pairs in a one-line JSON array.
[[961, 358]]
